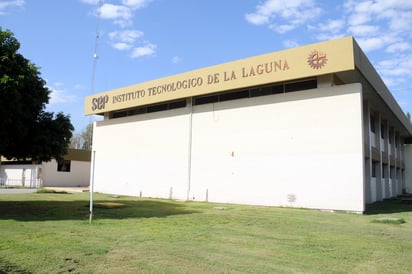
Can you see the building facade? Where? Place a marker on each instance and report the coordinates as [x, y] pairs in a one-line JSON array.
[[311, 127]]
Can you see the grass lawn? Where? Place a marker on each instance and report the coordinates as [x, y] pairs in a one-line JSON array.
[[50, 233]]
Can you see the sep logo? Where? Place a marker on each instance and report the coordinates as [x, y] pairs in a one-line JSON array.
[[99, 102]]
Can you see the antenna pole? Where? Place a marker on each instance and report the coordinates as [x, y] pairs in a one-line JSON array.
[[95, 57]]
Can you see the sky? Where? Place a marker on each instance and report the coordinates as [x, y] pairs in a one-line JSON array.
[[83, 47]]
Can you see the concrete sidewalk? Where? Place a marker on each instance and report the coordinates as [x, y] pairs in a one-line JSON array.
[[32, 190], [17, 190], [68, 189]]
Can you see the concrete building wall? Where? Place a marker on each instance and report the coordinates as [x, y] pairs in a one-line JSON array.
[[408, 170], [144, 153], [19, 175], [302, 149], [79, 174]]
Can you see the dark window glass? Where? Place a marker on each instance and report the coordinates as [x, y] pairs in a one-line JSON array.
[[266, 91], [374, 169], [234, 95], [384, 171], [310, 84], [119, 114], [206, 100], [64, 166], [372, 122], [177, 104], [156, 108]]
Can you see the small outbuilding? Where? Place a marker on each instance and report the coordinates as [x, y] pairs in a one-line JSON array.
[[73, 171]]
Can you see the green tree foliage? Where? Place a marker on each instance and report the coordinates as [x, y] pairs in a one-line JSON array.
[[27, 131], [84, 139], [87, 136]]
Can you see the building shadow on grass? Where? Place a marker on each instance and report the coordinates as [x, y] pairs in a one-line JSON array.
[[393, 205], [44, 210]]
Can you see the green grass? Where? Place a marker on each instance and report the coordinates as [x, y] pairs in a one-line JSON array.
[[50, 233]]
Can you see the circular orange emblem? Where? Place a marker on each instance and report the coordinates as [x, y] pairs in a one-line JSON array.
[[317, 59]]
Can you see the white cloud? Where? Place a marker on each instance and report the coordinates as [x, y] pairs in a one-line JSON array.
[[333, 26], [284, 16], [329, 36], [90, 2], [125, 39], [58, 84], [147, 50], [121, 15], [290, 44], [282, 28], [135, 4], [125, 36], [59, 96], [359, 19], [363, 30], [256, 19], [396, 72], [396, 16], [372, 43], [396, 67], [4, 5], [397, 47], [121, 46], [401, 21], [176, 59]]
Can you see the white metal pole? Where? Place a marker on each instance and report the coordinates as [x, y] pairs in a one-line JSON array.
[[92, 188]]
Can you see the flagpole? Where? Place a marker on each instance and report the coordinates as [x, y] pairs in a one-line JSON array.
[[92, 188]]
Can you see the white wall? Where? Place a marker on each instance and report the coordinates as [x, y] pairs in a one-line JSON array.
[[144, 153], [408, 168], [79, 174], [13, 175], [300, 149]]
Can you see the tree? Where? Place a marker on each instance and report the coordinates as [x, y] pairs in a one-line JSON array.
[[27, 130], [84, 139], [87, 136]]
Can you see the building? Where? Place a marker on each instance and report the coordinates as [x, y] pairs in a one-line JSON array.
[[74, 171], [312, 127]]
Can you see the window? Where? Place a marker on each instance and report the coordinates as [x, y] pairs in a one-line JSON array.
[[374, 164], [64, 166], [372, 122], [295, 86], [156, 108], [234, 95], [119, 114], [268, 90], [149, 109], [257, 91], [384, 171], [177, 104], [206, 99], [382, 131]]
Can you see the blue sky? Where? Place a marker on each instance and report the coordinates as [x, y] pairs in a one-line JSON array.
[[142, 40]]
